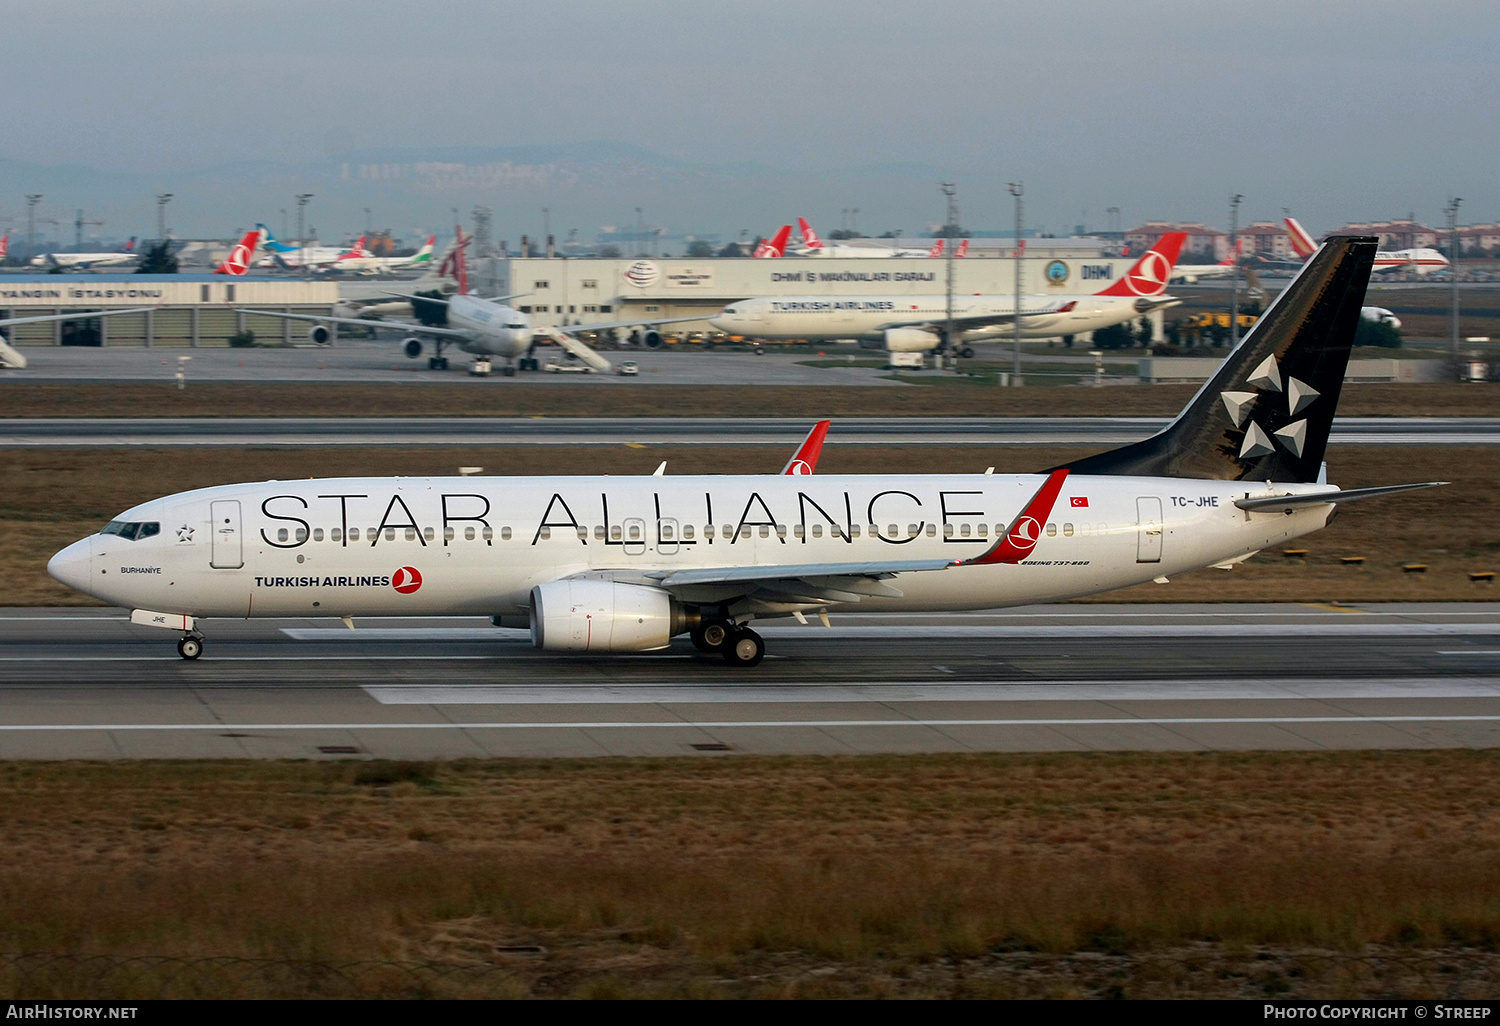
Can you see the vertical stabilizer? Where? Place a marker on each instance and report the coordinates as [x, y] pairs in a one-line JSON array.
[[1266, 413]]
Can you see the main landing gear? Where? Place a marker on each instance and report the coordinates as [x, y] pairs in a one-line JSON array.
[[190, 646], [740, 646]]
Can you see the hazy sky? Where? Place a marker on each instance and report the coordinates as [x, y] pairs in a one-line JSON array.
[[1339, 110]]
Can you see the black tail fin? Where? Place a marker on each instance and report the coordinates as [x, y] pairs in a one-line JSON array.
[[1265, 415]]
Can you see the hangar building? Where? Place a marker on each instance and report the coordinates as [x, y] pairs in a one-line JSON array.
[[186, 309]]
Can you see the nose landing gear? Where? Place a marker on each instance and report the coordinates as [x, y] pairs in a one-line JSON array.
[[190, 646]]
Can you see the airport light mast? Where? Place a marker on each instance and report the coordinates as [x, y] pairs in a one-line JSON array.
[[1234, 259], [1016, 189], [1453, 249], [31, 201], [948, 189], [162, 199], [302, 198]]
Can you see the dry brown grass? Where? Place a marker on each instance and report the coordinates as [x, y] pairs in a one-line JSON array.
[[219, 399], [698, 876], [49, 498]]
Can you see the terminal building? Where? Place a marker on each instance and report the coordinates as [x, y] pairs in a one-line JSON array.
[[186, 310], [557, 291], [182, 309]]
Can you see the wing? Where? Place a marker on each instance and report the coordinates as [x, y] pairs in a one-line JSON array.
[[419, 329], [784, 588], [573, 329], [977, 320], [82, 315]]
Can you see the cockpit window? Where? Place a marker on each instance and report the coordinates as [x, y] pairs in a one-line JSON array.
[[132, 530]]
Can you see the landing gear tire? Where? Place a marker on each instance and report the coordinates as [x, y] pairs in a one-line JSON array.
[[190, 647], [437, 363], [712, 636], [745, 648], [967, 352], [508, 370]]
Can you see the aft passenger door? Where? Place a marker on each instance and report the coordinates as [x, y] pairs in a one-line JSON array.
[[1148, 526], [228, 548]]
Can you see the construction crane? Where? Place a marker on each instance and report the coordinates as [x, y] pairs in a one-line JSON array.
[[78, 223]]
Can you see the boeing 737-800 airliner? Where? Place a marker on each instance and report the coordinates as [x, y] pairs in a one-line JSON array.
[[623, 564]]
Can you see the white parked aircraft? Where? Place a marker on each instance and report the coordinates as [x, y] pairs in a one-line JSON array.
[[913, 324], [1423, 260], [487, 328], [359, 260], [813, 246], [624, 564], [87, 261]]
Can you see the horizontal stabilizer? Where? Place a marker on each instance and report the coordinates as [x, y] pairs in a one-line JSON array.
[[1287, 503]]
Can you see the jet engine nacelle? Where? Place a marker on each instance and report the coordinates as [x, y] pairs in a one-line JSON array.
[[412, 347], [910, 340], [319, 334], [602, 616], [652, 340]]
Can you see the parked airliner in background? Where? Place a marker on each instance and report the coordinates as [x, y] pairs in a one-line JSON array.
[[1422, 261], [774, 247], [361, 261], [287, 258], [624, 564], [813, 246], [912, 324], [238, 262], [87, 261], [486, 328], [1190, 274]]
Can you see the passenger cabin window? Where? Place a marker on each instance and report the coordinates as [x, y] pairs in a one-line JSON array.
[[317, 534], [468, 534], [541, 284], [687, 532], [504, 534], [590, 283], [1067, 530]]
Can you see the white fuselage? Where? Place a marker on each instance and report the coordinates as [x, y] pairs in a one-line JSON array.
[[862, 252], [310, 256], [492, 329], [447, 546], [82, 259], [869, 317], [1423, 261]]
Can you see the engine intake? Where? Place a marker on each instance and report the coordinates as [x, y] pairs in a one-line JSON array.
[[319, 334], [413, 348], [602, 616], [652, 340], [910, 340]]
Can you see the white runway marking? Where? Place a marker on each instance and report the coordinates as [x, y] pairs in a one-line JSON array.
[[241, 659], [929, 691], [724, 724], [1334, 628]]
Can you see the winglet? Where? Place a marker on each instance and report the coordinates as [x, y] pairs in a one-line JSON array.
[[1024, 531], [805, 460]]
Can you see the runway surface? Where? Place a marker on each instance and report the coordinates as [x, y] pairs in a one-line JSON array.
[[83, 683], [472, 431]]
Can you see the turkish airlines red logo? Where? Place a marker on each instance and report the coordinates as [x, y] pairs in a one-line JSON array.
[[238, 260], [1149, 277], [1024, 535], [1079, 501], [800, 468], [406, 580]]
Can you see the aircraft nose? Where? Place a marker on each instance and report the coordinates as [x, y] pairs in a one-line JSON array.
[[73, 566]]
